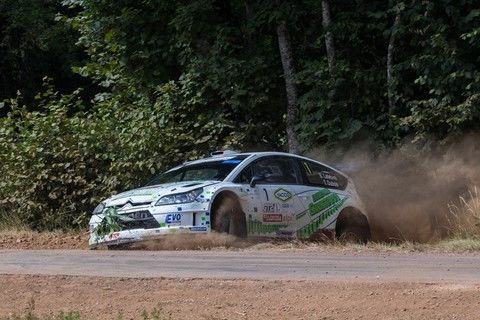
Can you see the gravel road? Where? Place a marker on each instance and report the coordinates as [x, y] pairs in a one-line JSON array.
[[244, 265]]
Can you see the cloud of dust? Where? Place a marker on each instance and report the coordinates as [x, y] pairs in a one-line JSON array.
[[407, 192], [193, 242]]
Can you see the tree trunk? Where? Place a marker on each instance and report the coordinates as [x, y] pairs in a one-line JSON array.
[[290, 86], [390, 51], [248, 11], [329, 44]]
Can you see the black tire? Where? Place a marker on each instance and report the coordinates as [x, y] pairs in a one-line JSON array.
[[352, 226], [228, 217], [354, 234]]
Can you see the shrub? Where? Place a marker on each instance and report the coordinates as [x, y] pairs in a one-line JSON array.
[[59, 162]]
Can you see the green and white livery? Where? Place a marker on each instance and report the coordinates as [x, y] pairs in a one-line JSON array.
[[261, 194]]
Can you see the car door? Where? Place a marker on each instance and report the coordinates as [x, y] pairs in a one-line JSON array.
[[322, 195], [274, 197]]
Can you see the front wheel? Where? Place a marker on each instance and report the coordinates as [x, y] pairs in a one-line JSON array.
[[228, 217]]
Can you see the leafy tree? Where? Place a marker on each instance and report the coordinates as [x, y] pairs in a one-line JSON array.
[[33, 45], [177, 79]]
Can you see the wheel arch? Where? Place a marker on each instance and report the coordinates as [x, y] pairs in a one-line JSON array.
[[217, 199]]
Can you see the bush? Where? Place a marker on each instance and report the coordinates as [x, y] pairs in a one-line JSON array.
[[60, 162]]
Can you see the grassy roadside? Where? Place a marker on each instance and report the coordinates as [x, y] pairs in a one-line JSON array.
[[78, 241], [30, 314], [463, 229]]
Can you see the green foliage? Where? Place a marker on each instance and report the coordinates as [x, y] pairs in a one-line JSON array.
[[111, 223], [31, 315], [34, 45], [442, 99], [177, 79], [157, 313], [58, 163]]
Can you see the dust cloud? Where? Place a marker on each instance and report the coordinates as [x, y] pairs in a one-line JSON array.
[[194, 242], [407, 192]]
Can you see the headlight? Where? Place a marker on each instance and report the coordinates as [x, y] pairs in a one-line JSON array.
[[185, 197], [99, 209]]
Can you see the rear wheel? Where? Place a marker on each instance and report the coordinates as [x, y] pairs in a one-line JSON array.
[[228, 217], [354, 234], [352, 227]]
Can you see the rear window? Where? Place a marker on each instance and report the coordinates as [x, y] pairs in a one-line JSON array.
[[322, 176]]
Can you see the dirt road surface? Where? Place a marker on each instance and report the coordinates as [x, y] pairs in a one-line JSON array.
[[243, 265], [241, 285]]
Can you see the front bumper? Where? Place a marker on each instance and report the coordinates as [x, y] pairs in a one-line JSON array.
[[136, 235]]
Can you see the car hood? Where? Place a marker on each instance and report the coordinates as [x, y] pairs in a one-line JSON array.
[[147, 195]]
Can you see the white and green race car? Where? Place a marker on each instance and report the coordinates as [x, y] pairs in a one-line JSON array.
[[259, 194]]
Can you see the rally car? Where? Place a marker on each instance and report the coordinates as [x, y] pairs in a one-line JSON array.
[[258, 194]]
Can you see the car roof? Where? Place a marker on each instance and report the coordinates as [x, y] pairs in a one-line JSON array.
[[232, 155], [228, 156]]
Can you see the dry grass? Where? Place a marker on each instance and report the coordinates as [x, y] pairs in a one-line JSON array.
[[9, 222], [465, 217], [463, 225]]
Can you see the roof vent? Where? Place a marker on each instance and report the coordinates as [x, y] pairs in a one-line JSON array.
[[220, 153]]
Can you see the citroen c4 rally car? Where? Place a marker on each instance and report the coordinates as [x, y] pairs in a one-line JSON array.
[[260, 194]]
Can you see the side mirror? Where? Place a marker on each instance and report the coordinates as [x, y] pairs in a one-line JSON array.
[[255, 180]]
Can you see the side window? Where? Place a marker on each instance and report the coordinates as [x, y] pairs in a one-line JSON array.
[[245, 176], [277, 170], [322, 176]]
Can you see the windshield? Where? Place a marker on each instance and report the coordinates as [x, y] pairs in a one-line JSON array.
[[211, 170]]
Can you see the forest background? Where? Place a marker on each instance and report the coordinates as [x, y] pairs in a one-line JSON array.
[[98, 95]]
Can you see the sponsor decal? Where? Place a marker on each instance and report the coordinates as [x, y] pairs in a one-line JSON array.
[[197, 229], [329, 179], [257, 227], [323, 200], [232, 161], [301, 214], [273, 207], [115, 236], [282, 194], [137, 194], [272, 217], [270, 207], [173, 218], [323, 215], [139, 215], [320, 194]]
